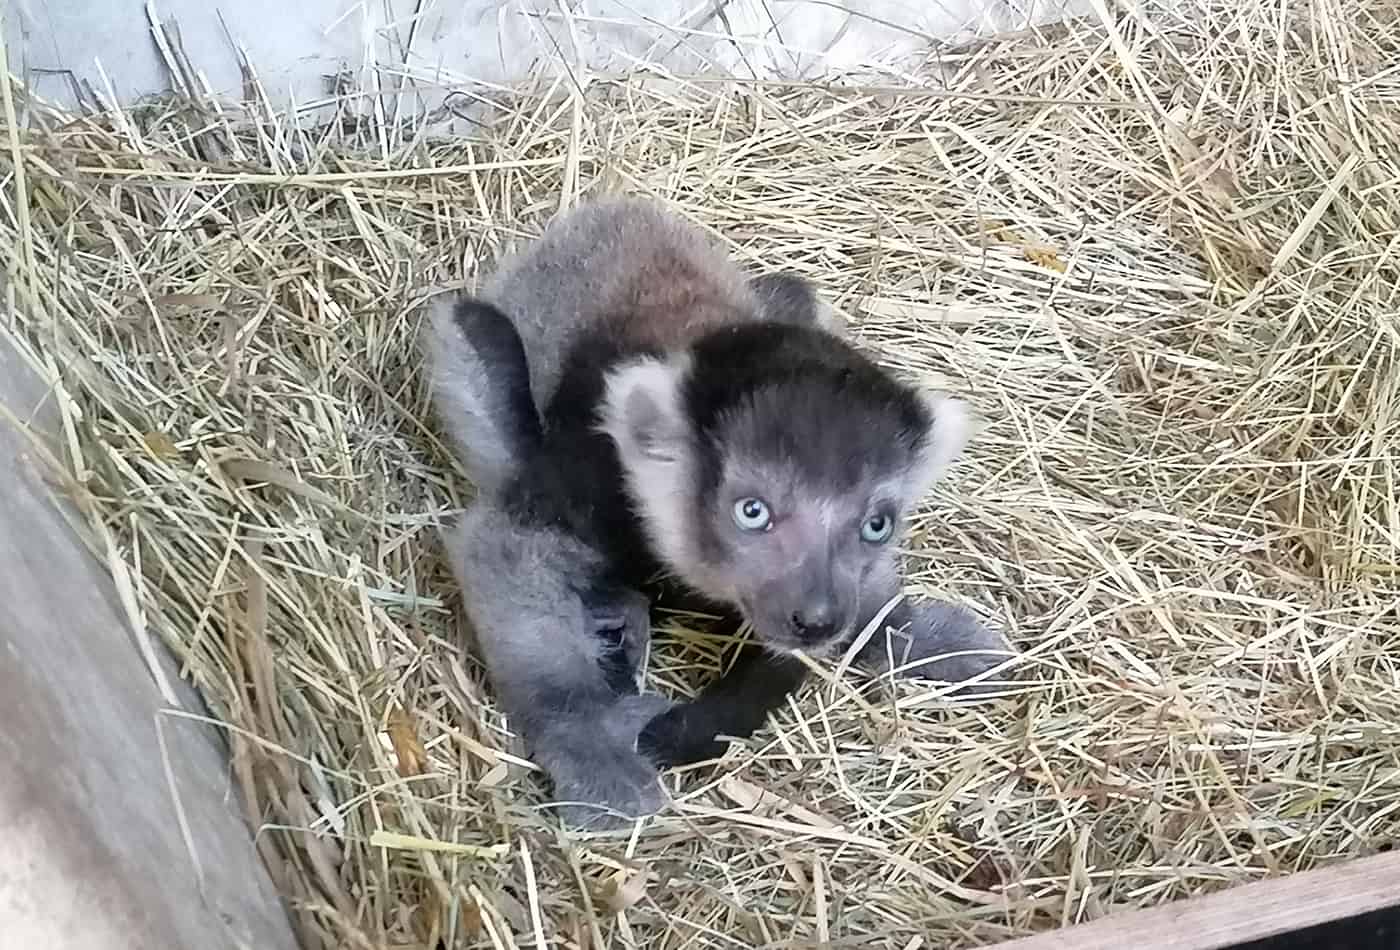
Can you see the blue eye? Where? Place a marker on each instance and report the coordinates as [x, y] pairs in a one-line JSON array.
[[877, 529], [751, 514]]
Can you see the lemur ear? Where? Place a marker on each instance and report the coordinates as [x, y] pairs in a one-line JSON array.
[[644, 414], [949, 427], [788, 298], [642, 411]]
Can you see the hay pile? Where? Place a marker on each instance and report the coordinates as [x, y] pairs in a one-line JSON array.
[[1160, 259]]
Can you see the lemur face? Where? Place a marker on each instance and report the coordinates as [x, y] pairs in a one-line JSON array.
[[773, 467]]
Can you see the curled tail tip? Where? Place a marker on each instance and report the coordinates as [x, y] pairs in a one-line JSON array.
[[480, 382]]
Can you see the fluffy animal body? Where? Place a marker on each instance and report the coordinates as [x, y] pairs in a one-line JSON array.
[[630, 404]]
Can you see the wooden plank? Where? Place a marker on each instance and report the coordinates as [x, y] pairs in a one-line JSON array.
[[1249, 912], [119, 828]]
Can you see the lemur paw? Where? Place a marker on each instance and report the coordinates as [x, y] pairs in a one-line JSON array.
[[677, 738], [922, 648], [608, 792], [599, 779]]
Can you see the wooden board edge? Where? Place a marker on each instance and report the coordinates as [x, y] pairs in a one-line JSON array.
[[1247, 912]]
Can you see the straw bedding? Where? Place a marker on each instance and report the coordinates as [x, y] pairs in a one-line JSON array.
[[1159, 257]]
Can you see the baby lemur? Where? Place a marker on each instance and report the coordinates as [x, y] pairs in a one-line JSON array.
[[629, 404]]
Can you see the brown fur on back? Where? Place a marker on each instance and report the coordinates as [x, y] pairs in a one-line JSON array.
[[646, 275]]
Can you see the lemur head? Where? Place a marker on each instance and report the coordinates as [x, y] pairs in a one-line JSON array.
[[773, 466]]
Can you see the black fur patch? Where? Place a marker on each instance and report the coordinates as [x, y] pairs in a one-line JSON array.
[[796, 393], [786, 298], [619, 674], [579, 469], [735, 705], [491, 334], [568, 475], [601, 602]]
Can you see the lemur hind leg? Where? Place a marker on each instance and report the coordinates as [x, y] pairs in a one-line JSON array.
[[481, 382], [535, 606]]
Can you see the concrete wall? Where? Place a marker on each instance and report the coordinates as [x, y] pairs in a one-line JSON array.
[[376, 44]]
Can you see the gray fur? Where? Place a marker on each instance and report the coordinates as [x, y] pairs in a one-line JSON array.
[[942, 642], [927, 639], [628, 270], [800, 582], [520, 588], [633, 257], [467, 401]]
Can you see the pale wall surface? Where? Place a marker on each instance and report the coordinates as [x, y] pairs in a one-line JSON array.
[[295, 46]]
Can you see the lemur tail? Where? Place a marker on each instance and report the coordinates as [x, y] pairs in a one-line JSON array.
[[481, 385]]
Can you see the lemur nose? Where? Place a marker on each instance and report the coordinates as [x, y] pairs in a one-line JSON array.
[[814, 625]]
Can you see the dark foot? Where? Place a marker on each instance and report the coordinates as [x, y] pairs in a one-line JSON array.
[[735, 705], [673, 738]]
